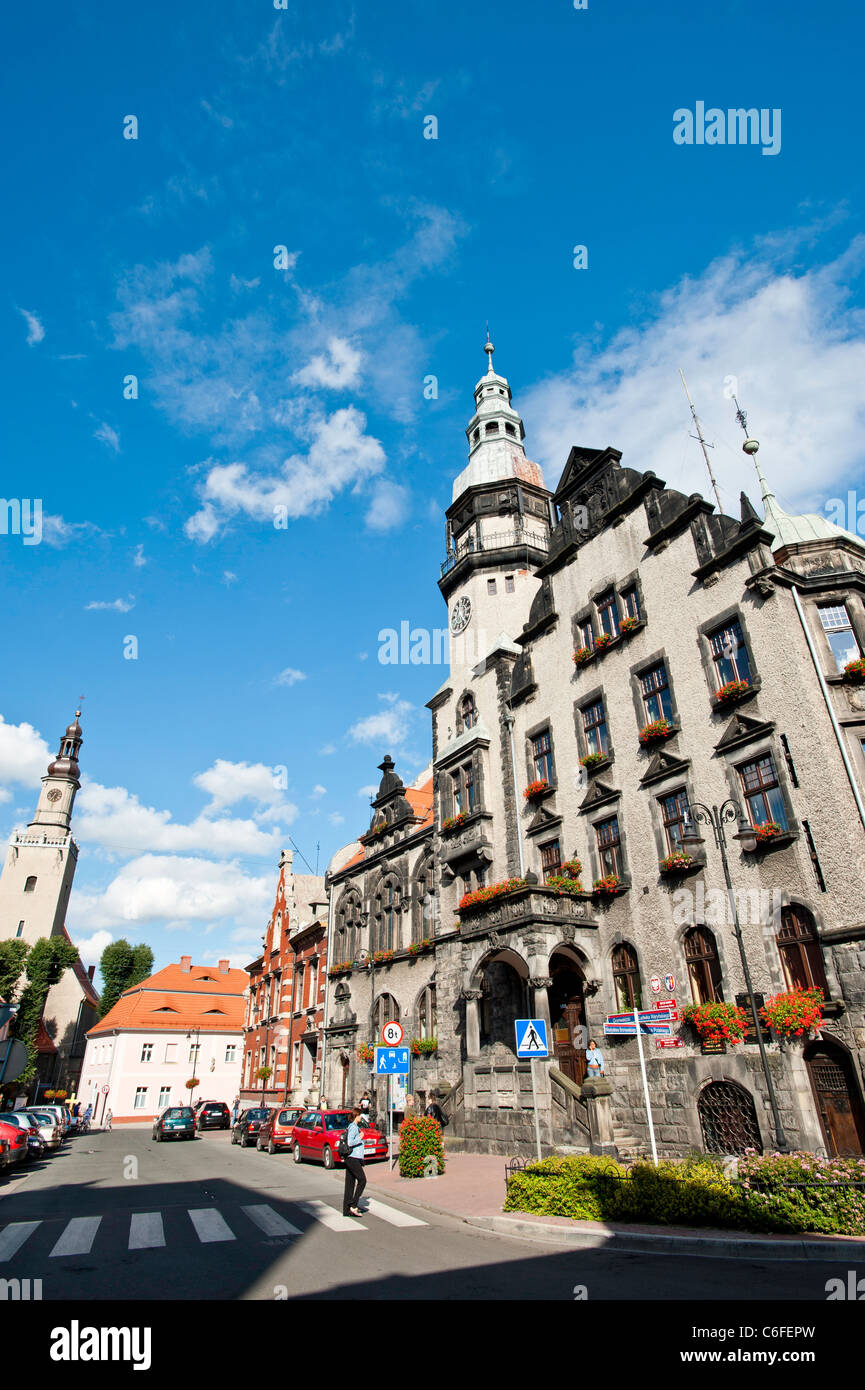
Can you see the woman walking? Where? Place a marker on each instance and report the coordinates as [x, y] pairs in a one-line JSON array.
[[355, 1177]]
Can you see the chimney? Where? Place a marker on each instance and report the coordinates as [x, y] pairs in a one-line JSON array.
[[224, 967], [90, 970], [186, 964]]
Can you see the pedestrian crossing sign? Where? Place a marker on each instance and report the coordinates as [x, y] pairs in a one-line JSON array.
[[532, 1040]]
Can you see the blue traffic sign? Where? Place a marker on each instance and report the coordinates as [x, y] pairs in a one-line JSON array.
[[532, 1040], [392, 1061]]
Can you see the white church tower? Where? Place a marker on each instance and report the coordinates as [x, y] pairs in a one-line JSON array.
[[40, 865]]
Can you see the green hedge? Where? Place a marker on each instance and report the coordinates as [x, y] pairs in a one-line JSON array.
[[693, 1192]]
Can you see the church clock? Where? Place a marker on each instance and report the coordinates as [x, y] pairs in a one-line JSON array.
[[461, 614]]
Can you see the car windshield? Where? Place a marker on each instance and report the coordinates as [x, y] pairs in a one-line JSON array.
[[341, 1121], [178, 1113], [42, 1119], [255, 1115]]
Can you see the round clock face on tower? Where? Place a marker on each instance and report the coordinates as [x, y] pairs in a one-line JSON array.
[[55, 794], [461, 614]]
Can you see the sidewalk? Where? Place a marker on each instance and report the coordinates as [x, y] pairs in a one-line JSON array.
[[472, 1189]]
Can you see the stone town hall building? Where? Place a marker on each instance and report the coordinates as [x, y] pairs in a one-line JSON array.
[[580, 618]]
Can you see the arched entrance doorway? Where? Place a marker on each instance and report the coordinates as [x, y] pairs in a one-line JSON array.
[[568, 1014], [836, 1094], [503, 981]]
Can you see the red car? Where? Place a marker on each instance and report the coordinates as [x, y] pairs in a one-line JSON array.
[[17, 1140], [277, 1129], [316, 1136]]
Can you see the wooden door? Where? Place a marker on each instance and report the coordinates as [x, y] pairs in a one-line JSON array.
[[837, 1104], [570, 1059]]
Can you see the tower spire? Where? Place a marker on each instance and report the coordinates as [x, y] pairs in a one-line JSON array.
[[489, 349]]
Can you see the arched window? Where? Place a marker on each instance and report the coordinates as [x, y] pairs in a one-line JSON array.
[[387, 916], [386, 1010], [30, 884], [800, 951], [468, 714], [728, 1119], [425, 912], [426, 1013], [704, 968], [626, 978]]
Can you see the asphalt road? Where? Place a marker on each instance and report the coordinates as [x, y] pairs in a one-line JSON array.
[[115, 1216]]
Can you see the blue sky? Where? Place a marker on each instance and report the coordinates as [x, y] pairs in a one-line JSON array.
[[303, 387]]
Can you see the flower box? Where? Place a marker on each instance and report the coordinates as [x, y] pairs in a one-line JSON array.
[[603, 640], [473, 902], [536, 789], [453, 823], [564, 884], [768, 831], [656, 732], [424, 1047], [582, 655], [593, 760], [733, 690], [855, 670], [382, 957], [417, 948], [794, 1013], [607, 887], [717, 1022], [342, 967], [572, 868], [677, 862], [364, 1052], [630, 625], [377, 830]]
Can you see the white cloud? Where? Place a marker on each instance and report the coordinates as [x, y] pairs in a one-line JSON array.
[[336, 819], [289, 676], [318, 790], [237, 283], [90, 948], [226, 783], [117, 605], [115, 819], [787, 341], [390, 726], [327, 751], [58, 532], [371, 790], [24, 755], [224, 121], [229, 578], [35, 331], [138, 558], [338, 370], [176, 891], [108, 436], [388, 506]]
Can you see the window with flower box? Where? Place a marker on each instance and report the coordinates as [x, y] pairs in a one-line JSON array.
[[626, 978], [655, 690], [426, 1013], [608, 614], [674, 813], [800, 951], [704, 967], [609, 846], [729, 654], [762, 792], [586, 635], [551, 859], [542, 756], [838, 630], [595, 729], [631, 603]]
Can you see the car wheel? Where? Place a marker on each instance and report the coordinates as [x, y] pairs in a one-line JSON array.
[[271, 1147], [244, 1143], [298, 1156], [327, 1157]]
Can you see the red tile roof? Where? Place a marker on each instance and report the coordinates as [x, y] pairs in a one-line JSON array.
[[175, 1000]]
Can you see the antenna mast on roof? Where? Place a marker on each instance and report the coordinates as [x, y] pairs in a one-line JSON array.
[[703, 445]]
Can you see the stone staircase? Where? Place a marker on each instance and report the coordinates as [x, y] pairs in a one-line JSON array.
[[627, 1145]]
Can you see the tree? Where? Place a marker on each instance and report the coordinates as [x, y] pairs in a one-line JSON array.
[[13, 954], [121, 967], [47, 961]]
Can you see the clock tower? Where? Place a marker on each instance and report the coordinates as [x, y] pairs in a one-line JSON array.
[[498, 528], [40, 865]]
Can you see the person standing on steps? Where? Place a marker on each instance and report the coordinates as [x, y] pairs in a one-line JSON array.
[[355, 1177], [594, 1059]]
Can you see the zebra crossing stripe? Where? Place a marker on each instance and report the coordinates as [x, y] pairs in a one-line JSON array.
[[333, 1220], [146, 1231], [392, 1215], [209, 1225], [270, 1221], [14, 1236], [78, 1236]]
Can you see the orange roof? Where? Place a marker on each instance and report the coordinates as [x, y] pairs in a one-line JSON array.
[[44, 1041], [199, 979], [175, 1000], [420, 799]]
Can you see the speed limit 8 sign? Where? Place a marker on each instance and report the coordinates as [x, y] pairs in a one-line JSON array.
[[391, 1034]]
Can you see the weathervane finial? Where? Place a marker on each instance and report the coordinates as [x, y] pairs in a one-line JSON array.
[[489, 349]]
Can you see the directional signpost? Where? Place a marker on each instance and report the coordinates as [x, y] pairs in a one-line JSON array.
[[659, 1021], [391, 1061], [533, 1042]]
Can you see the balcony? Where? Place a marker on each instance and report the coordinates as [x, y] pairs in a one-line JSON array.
[[500, 540]]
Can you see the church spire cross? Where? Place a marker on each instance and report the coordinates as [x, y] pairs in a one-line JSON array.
[[489, 349]]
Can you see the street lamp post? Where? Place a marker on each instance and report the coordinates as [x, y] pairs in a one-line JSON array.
[[717, 817], [196, 1050]]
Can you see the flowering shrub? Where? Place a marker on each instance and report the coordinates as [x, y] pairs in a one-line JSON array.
[[628, 624], [855, 670], [263, 1074], [193, 1082], [609, 885], [364, 1052], [732, 690], [592, 759], [536, 789], [582, 655], [675, 862], [603, 640], [423, 1047], [420, 1139], [717, 1022], [470, 902], [659, 728], [795, 1012], [572, 868], [454, 822], [562, 883], [418, 947], [382, 957], [768, 831]]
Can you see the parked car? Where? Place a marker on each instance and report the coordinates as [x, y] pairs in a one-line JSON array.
[[16, 1138], [26, 1123], [175, 1122], [4, 1153], [64, 1119], [245, 1130], [276, 1131], [214, 1114], [48, 1125], [316, 1136]]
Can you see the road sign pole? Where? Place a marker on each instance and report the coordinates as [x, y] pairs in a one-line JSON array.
[[533, 1065], [645, 1086], [390, 1120]]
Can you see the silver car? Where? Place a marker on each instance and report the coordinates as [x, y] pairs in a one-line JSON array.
[[61, 1114], [49, 1127]]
